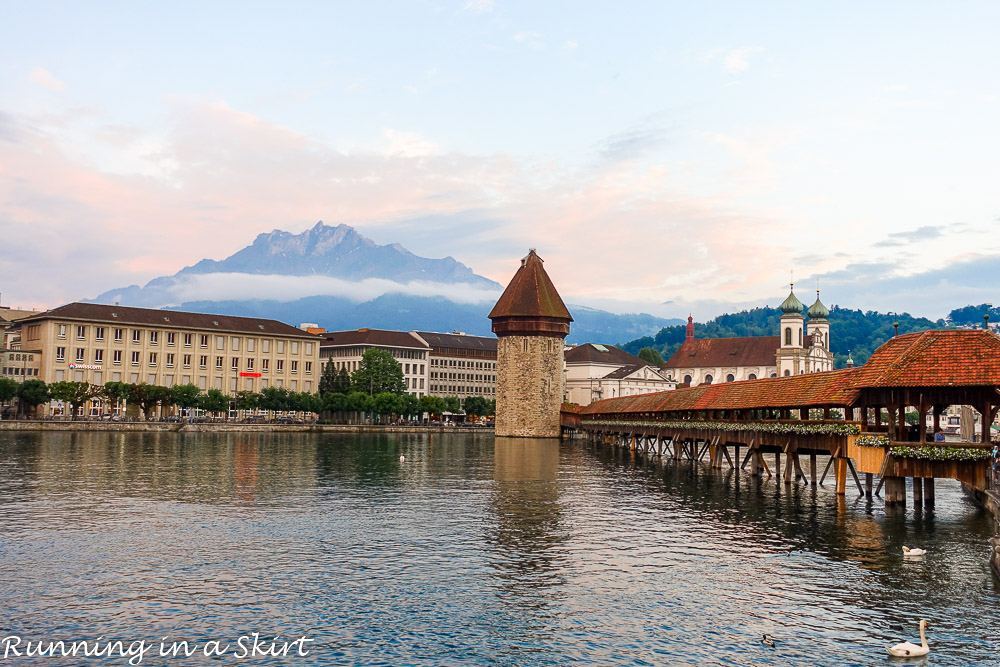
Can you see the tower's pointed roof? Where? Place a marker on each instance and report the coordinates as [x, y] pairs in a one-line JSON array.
[[530, 294]]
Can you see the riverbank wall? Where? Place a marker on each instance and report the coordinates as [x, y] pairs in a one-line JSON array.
[[224, 427]]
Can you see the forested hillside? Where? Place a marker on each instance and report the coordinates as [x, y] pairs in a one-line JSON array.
[[851, 331]]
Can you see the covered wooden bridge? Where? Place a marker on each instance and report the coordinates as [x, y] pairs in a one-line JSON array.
[[855, 416]]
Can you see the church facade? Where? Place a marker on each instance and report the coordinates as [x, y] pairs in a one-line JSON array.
[[800, 347]]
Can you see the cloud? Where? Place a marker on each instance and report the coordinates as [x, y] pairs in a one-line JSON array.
[[570, 44], [734, 61], [632, 143], [407, 144], [45, 79], [245, 286], [479, 6], [925, 233]]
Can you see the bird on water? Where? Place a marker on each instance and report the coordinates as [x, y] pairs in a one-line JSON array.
[[910, 650], [401, 458], [907, 551], [767, 640]]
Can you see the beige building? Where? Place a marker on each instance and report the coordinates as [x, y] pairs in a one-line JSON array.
[[344, 350], [20, 365], [596, 371], [461, 365], [95, 343]]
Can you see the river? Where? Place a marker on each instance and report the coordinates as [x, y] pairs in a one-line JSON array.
[[472, 550]]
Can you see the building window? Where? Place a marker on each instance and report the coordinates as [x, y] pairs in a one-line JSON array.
[[235, 343], [263, 365], [787, 372], [203, 341], [295, 347], [309, 367], [79, 355], [220, 342], [170, 360], [118, 335], [800, 337], [171, 338], [187, 340], [236, 363], [279, 366], [203, 361], [752, 376], [187, 361], [309, 348], [136, 336], [788, 335], [135, 358], [250, 344], [152, 358], [154, 337], [218, 363], [265, 345], [60, 354], [295, 367], [730, 378], [98, 356], [62, 331], [117, 358], [99, 333], [250, 364]]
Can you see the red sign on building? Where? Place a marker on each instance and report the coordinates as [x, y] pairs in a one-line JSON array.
[[249, 375]]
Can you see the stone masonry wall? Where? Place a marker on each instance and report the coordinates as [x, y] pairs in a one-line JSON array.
[[529, 386]]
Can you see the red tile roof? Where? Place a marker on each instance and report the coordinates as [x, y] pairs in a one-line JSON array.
[[530, 294], [934, 358], [722, 352], [812, 390]]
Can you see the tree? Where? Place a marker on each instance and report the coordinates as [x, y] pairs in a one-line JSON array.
[[385, 404], [328, 379], [378, 372], [343, 383], [32, 393], [335, 401], [475, 406], [311, 403], [148, 396], [8, 389], [185, 395], [432, 404], [409, 405], [116, 391], [246, 400], [452, 404], [274, 399], [74, 393], [214, 401], [650, 356]]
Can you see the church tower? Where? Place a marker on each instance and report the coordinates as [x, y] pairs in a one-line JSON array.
[[530, 321], [820, 356], [791, 354]]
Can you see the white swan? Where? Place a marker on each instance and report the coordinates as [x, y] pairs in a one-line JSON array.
[[908, 650], [401, 458], [907, 551]]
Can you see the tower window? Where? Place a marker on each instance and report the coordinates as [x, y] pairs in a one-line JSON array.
[[788, 335]]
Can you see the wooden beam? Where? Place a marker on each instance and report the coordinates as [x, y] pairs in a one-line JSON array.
[[881, 481], [850, 465], [828, 465]]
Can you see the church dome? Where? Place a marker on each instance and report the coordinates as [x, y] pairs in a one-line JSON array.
[[791, 305], [818, 311]]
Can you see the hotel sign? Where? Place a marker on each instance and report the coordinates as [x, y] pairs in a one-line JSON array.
[[250, 375]]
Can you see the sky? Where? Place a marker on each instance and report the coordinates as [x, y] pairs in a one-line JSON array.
[[665, 157]]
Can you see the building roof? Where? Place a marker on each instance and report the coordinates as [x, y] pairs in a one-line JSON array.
[[530, 294], [625, 371], [934, 358], [725, 352], [591, 353], [374, 338], [168, 319], [818, 311], [459, 340], [810, 390]]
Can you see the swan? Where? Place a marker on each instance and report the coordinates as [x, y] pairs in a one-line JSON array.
[[907, 551], [401, 458], [908, 650], [767, 640]]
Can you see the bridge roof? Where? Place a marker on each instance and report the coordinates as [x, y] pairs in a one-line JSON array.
[[800, 391], [934, 358]]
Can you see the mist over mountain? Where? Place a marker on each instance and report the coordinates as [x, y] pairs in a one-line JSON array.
[[340, 279]]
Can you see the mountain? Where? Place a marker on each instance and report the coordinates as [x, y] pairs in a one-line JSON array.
[[339, 279]]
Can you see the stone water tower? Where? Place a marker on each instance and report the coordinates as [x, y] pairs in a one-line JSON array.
[[530, 321]]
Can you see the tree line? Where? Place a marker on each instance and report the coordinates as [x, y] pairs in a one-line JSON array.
[[376, 388]]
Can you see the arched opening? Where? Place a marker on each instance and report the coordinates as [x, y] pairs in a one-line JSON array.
[[752, 376], [730, 377], [774, 375], [800, 337], [788, 335], [708, 379], [687, 379], [787, 373]]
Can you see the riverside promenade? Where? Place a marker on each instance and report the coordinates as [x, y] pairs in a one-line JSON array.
[[225, 427]]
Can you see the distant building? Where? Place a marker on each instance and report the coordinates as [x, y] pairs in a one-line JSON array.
[[344, 350], [596, 371], [461, 365], [794, 351], [96, 343]]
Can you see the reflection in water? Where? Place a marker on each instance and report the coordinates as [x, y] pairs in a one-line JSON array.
[[472, 551]]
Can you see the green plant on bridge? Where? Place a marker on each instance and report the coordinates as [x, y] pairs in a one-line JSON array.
[[941, 453], [754, 427], [872, 441]]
